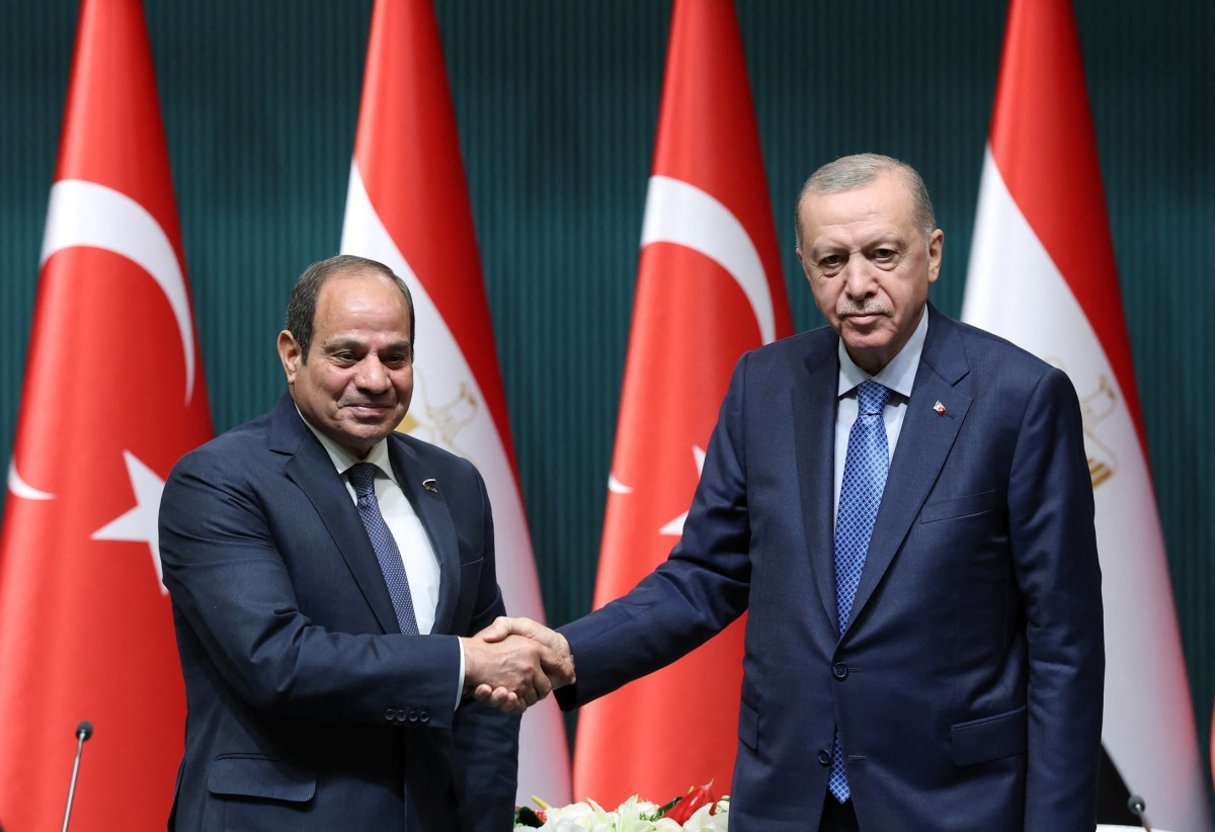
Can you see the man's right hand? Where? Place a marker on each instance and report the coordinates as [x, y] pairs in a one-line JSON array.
[[557, 662], [512, 671]]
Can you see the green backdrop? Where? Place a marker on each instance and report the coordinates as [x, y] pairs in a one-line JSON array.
[[557, 107]]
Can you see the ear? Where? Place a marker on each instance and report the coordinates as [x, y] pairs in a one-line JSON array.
[[936, 244], [289, 353]]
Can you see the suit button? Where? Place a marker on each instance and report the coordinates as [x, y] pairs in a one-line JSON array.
[[839, 670], [390, 714], [424, 716], [413, 715], [824, 757], [401, 715]]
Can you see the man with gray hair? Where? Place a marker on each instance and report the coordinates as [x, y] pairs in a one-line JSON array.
[[903, 504]]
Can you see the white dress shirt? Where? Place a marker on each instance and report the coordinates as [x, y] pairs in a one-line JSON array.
[[898, 376]]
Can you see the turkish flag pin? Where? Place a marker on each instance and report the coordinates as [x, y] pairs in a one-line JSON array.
[[939, 408]]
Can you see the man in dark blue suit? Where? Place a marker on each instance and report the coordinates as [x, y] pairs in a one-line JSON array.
[[938, 664], [328, 577]]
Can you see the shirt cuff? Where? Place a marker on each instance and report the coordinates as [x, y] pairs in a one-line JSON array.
[[460, 681]]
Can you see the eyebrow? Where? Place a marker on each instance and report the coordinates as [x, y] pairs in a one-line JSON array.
[[892, 239], [357, 343]]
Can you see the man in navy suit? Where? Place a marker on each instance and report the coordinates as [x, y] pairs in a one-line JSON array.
[[319, 698], [961, 687]]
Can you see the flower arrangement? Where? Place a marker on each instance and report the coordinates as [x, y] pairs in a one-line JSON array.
[[697, 811]]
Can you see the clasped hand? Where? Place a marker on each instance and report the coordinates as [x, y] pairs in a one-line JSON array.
[[514, 663]]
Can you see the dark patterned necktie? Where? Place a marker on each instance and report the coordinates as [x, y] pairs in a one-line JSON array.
[[362, 477], [865, 469]]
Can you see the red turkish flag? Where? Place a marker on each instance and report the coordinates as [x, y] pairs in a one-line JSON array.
[[709, 287], [113, 395], [407, 206], [1043, 274]]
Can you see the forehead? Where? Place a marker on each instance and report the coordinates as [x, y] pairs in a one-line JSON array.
[[361, 301], [884, 206]]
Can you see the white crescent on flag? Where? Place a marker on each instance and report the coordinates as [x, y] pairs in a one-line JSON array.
[[680, 213], [20, 488], [83, 213], [87, 214]]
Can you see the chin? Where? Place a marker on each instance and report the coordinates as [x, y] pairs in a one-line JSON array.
[[867, 345]]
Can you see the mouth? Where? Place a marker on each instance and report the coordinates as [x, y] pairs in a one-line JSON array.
[[861, 318], [368, 409]]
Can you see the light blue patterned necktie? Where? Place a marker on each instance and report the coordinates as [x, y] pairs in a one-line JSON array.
[[362, 477], [865, 469]]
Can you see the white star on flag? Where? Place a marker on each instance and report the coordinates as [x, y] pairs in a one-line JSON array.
[[139, 525], [675, 527]]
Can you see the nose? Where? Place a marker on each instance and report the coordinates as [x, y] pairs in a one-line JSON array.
[[372, 377], [858, 279]]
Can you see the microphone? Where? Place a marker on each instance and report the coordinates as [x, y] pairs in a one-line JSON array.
[[1137, 805], [83, 731]]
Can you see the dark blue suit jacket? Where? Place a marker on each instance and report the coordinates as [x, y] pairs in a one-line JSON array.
[[307, 709], [967, 688]]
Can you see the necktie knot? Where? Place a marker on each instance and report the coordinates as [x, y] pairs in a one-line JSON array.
[[362, 477], [871, 398]]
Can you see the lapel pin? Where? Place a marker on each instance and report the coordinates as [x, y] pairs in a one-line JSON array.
[[939, 408], [431, 485]]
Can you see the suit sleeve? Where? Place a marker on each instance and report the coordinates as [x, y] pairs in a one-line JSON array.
[[233, 589], [486, 739], [700, 589], [1054, 550]]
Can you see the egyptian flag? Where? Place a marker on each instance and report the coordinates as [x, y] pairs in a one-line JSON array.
[[407, 207], [1042, 274]]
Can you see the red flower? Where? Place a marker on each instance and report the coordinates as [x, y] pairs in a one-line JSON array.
[[687, 805]]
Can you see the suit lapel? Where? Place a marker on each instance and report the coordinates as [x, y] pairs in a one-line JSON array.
[[814, 403], [924, 443], [311, 469], [430, 504]]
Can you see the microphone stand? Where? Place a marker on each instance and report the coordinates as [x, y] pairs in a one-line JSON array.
[[83, 731], [1138, 808]]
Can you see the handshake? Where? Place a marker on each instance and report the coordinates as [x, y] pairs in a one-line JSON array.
[[515, 662]]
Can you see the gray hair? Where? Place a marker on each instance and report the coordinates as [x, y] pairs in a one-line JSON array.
[[859, 170], [301, 306]]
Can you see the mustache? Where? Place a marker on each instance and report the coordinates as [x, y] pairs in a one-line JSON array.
[[862, 309]]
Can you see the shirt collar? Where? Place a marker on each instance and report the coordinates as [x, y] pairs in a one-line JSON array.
[[343, 460], [898, 375]]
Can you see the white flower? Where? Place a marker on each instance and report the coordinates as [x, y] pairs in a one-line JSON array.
[[634, 815], [702, 821], [579, 817]]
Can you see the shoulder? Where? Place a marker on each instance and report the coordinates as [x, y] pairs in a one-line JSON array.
[[807, 348], [995, 369], [427, 459], [811, 343], [988, 356], [422, 450], [986, 345], [242, 447]]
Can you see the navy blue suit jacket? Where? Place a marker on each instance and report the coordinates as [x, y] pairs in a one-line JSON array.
[[307, 709], [967, 687]]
